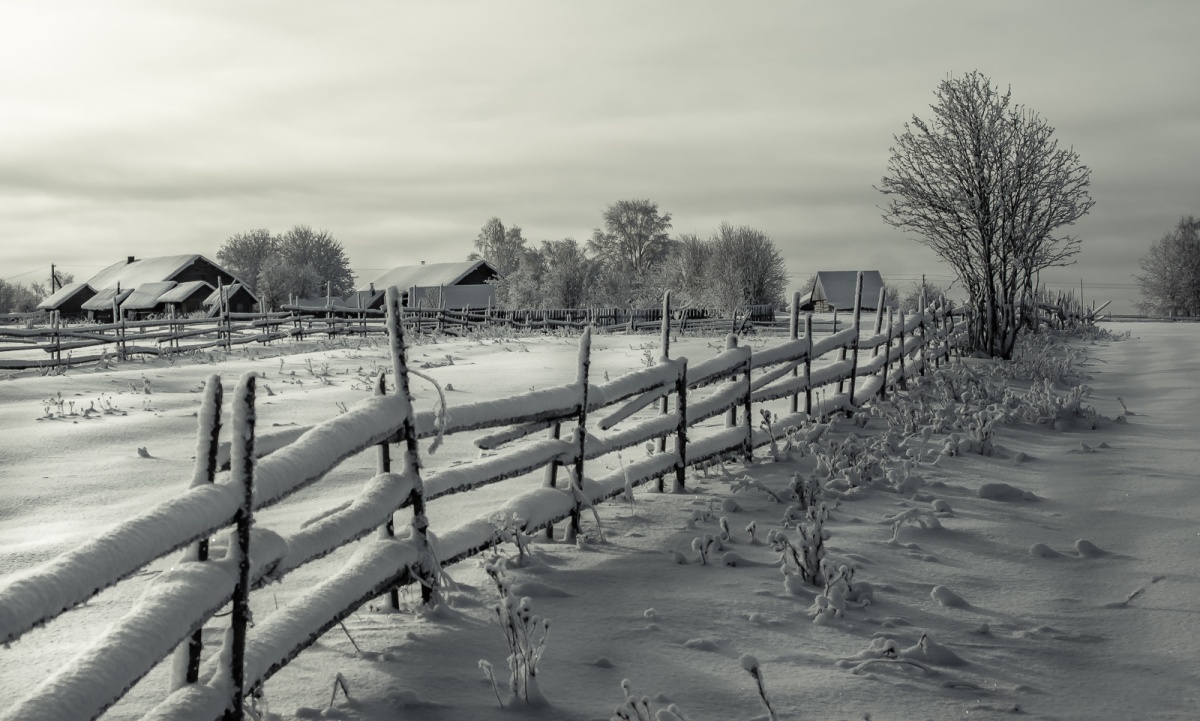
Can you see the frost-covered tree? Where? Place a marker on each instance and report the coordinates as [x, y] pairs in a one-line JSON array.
[[1170, 278], [245, 254], [685, 271], [500, 246], [302, 262], [745, 268], [18, 298], [985, 185], [633, 241]]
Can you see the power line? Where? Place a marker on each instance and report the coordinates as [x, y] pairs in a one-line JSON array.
[[18, 275]]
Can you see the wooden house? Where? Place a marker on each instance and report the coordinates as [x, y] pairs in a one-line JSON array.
[[449, 285], [142, 282], [186, 298], [834, 290], [68, 300], [238, 299]]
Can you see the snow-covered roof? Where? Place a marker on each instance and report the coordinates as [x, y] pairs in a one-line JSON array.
[[230, 291], [431, 274], [146, 270], [146, 295], [365, 296], [837, 288], [103, 299], [62, 295], [183, 291]]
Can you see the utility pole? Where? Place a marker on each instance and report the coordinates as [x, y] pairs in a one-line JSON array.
[[53, 280]]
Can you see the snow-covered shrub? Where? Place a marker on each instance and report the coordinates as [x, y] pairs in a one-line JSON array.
[[511, 529], [800, 560], [638, 708], [526, 635]]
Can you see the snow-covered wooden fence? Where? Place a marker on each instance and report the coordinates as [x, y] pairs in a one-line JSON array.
[[264, 469]]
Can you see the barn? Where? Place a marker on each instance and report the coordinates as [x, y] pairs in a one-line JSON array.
[[186, 298], [238, 299], [142, 282], [834, 290], [450, 285], [68, 300]]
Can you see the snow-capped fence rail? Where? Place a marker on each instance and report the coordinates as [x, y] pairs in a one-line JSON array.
[[266, 468]]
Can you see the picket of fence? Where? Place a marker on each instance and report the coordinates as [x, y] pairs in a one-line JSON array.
[[265, 468]]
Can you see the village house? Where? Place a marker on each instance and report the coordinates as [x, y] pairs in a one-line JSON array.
[[150, 286], [834, 290], [447, 285]]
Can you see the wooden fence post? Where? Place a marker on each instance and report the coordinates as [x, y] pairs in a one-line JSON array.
[[581, 377], [665, 342], [879, 316], [551, 478], [747, 420], [241, 466], [207, 442], [681, 428], [426, 575], [854, 347], [887, 357], [808, 332], [731, 415], [903, 352], [383, 464], [794, 334], [921, 326]]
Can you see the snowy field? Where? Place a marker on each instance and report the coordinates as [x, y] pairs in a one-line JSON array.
[[1009, 625]]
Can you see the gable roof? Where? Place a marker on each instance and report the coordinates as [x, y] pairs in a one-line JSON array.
[[62, 295], [146, 270], [837, 288], [103, 299], [145, 296], [431, 274], [230, 292], [183, 291], [366, 297]]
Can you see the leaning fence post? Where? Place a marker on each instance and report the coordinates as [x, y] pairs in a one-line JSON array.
[[383, 464], [854, 347], [426, 574], [921, 325], [731, 414], [241, 456], [581, 377], [205, 472], [903, 352], [879, 316]]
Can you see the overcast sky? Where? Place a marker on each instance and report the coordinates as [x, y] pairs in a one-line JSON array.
[[158, 128]]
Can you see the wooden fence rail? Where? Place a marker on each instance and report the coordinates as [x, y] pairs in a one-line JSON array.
[[266, 468]]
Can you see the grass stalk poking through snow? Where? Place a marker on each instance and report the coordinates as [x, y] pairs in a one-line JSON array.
[[526, 635]]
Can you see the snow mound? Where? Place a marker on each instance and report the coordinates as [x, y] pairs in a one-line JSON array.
[[946, 597]]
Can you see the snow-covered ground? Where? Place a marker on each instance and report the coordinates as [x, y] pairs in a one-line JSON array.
[[1038, 631]]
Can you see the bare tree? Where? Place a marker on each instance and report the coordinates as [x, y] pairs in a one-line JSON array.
[[985, 185], [1170, 279]]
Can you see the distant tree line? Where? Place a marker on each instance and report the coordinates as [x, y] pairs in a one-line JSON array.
[[22, 298], [631, 260]]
